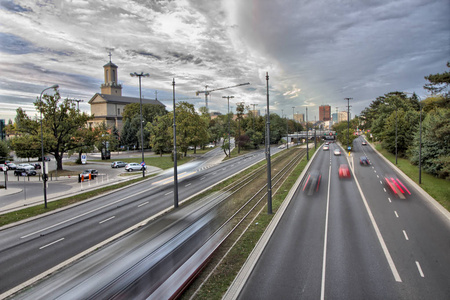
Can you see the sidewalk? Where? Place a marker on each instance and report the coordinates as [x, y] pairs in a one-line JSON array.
[[75, 188]]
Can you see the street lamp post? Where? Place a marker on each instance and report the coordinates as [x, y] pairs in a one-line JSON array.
[[348, 122], [44, 175], [269, 174], [140, 112], [307, 129], [293, 120], [229, 134], [175, 167]]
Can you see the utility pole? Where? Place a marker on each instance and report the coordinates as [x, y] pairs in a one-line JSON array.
[[77, 101], [175, 167], [307, 129], [229, 134], [348, 122], [269, 176]]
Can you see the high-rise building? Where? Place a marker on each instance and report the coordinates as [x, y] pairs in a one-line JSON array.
[[324, 113]]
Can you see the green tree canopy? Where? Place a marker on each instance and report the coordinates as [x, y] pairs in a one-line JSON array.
[[60, 121]]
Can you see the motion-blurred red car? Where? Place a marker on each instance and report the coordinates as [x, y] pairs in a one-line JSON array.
[[344, 171], [396, 186]]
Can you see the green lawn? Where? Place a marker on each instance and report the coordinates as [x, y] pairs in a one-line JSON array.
[[437, 188]]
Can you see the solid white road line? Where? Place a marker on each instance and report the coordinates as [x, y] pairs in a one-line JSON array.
[[420, 269], [106, 220], [322, 290], [57, 241]]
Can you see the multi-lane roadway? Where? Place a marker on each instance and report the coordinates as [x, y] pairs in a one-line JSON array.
[[353, 239], [33, 248]]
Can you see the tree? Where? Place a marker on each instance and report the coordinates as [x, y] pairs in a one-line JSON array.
[[160, 133], [4, 151], [438, 83], [240, 108], [105, 140], [26, 146], [60, 121], [191, 128]]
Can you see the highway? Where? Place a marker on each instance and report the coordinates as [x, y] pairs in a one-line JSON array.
[[35, 247], [352, 239]]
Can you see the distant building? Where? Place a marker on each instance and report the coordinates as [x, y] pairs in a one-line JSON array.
[[108, 105], [255, 112], [300, 118], [324, 113], [342, 116]]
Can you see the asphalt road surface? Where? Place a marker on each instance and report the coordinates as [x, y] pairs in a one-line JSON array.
[[350, 242], [31, 248]]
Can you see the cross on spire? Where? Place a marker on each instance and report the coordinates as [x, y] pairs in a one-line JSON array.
[[109, 56]]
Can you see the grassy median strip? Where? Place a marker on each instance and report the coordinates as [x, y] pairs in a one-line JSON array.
[[437, 188]]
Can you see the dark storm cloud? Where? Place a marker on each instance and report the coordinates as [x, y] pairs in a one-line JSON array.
[[184, 58]]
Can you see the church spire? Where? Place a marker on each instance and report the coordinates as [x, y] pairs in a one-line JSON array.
[[111, 85]]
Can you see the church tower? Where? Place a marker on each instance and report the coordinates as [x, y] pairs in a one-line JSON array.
[[111, 85]]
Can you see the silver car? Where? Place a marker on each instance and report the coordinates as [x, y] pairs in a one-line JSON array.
[[118, 164], [134, 167]]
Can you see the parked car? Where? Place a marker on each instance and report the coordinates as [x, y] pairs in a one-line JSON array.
[[134, 167], [344, 171], [118, 164], [46, 158], [337, 152], [25, 166], [88, 172], [3, 167], [364, 161], [11, 166], [24, 172], [37, 166], [209, 146]]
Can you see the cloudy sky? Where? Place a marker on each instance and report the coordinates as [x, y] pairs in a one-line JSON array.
[[315, 51]]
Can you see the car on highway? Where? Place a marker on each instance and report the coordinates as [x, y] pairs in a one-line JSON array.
[[344, 171], [118, 164], [396, 186], [24, 172], [326, 148], [86, 173], [364, 161], [312, 182], [337, 152], [134, 167], [282, 146], [364, 143], [3, 167]]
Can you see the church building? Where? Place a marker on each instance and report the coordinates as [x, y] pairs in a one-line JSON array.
[[108, 105]]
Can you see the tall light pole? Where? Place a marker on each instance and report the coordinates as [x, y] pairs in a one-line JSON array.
[[140, 112], [44, 175], [269, 176], [175, 167], [229, 134], [348, 122], [307, 129]]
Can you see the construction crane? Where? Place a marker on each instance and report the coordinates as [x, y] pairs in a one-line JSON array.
[[206, 92]]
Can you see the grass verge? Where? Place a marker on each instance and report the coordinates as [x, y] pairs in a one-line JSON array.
[[437, 188]]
